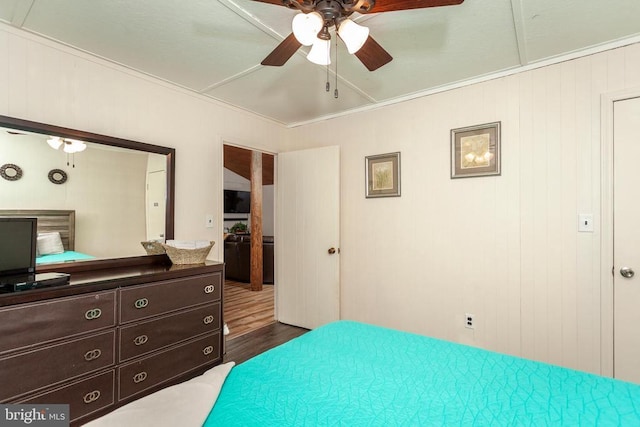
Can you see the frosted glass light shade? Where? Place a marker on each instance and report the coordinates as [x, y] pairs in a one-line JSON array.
[[353, 35], [74, 146], [319, 53], [54, 142], [306, 26]]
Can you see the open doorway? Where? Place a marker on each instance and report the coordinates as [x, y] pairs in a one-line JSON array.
[[245, 309]]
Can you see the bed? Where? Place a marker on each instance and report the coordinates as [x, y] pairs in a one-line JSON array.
[[54, 221], [353, 374]]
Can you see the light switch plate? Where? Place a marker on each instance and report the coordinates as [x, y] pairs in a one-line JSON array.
[[208, 221], [585, 223]]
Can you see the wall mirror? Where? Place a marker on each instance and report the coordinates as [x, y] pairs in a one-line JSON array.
[[122, 191]]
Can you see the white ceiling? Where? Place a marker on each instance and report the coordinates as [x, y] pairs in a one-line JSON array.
[[214, 47]]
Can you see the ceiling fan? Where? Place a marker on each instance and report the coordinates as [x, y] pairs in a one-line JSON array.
[[311, 28]]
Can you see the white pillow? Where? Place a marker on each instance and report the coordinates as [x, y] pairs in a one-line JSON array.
[[50, 243]]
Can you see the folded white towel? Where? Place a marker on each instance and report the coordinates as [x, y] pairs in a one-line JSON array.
[[188, 244]]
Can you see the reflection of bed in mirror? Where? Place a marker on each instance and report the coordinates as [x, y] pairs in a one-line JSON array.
[[53, 221]]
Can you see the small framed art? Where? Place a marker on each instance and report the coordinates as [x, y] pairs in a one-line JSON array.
[[382, 174], [475, 151]]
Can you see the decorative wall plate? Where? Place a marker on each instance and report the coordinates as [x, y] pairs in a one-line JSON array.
[[57, 176], [10, 172]]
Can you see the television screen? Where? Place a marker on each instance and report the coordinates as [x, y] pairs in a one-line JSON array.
[[18, 238], [237, 201]]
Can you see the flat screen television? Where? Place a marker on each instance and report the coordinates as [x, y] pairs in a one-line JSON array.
[[18, 239], [236, 201]]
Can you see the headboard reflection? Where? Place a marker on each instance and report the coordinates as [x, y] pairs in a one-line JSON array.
[[62, 221]]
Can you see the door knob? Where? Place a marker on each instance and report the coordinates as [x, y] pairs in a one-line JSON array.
[[332, 251], [627, 272]]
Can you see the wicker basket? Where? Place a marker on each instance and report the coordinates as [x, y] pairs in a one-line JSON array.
[[187, 256], [152, 247]]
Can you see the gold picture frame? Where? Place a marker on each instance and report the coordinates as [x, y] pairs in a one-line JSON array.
[[475, 151], [382, 175]]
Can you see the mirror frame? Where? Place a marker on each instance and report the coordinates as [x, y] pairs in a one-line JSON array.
[[170, 153]]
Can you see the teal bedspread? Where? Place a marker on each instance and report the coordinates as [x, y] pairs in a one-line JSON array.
[[66, 256], [352, 374]]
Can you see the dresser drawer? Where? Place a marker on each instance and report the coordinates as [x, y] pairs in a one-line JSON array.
[[144, 301], [138, 376], [84, 397], [26, 325], [142, 338], [29, 371]]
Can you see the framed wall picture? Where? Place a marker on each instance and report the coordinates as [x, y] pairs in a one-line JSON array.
[[383, 175], [475, 151]]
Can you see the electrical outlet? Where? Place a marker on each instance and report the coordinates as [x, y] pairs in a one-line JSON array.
[[469, 321]]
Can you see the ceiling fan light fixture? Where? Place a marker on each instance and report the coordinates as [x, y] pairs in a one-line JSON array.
[[74, 146], [306, 26], [353, 35], [319, 53], [54, 142]]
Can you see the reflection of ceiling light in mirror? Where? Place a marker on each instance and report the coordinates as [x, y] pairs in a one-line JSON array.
[[74, 146], [70, 145], [54, 142]]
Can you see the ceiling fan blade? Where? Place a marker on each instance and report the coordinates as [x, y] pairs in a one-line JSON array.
[[372, 55], [282, 52], [276, 2], [393, 5]]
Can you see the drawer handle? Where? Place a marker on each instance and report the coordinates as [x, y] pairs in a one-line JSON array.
[[208, 319], [93, 314], [207, 350], [140, 339], [139, 377], [92, 354], [209, 288], [141, 303], [92, 396]]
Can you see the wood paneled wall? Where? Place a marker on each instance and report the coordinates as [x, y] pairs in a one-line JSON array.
[[503, 248]]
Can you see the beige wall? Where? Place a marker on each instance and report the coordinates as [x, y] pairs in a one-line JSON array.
[[47, 82], [503, 248]]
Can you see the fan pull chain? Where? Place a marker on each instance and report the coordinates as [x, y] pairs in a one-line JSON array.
[[73, 159], [328, 86], [335, 92]]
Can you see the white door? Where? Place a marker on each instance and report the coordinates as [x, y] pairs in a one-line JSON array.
[[308, 237], [626, 240], [156, 193]]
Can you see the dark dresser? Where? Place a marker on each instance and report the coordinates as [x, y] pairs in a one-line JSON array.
[[114, 334]]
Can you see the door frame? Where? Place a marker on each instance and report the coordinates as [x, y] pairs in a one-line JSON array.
[[246, 146], [606, 226]]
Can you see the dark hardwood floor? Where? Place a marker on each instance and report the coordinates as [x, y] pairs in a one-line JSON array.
[[260, 340]]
